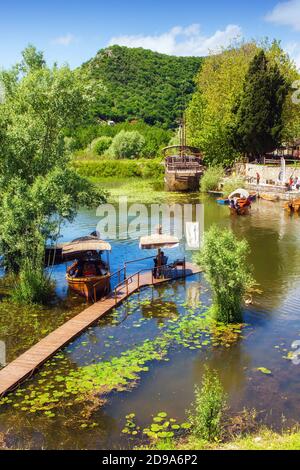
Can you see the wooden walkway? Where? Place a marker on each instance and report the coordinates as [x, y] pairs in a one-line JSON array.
[[25, 365]]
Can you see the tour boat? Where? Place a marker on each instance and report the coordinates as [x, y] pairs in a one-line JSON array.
[[269, 197], [89, 275], [292, 206], [239, 202], [222, 201]]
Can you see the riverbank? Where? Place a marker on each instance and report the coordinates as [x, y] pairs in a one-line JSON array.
[[265, 439]]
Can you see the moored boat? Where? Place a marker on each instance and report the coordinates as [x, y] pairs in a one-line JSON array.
[[89, 275], [239, 202], [223, 201], [292, 206], [269, 197]]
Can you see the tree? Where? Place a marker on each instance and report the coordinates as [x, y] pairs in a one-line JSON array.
[[210, 115], [127, 145], [32, 59], [210, 110], [259, 124], [224, 260], [38, 188]]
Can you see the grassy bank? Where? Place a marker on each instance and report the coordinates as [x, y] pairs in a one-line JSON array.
[[265, 439]]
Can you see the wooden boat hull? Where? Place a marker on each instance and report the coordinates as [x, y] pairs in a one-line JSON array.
[[240, 211], [269, 197], [293, 206], [85, 286]]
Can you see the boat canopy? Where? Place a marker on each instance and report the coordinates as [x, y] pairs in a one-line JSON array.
[[83, 245], [242, 193], [157, 241]]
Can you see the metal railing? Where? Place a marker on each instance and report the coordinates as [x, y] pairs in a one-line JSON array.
[[158, 270], [161, 270]]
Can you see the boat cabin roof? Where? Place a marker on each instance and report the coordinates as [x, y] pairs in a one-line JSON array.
[[80, 246]]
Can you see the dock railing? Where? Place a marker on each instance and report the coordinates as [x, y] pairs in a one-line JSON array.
[[159, 272]]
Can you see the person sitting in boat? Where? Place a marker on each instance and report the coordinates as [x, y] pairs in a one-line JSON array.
[[75, 270]]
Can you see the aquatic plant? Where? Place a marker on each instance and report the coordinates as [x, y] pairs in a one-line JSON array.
[[88, 387], [224, 259], [206, 414], [33, 284], [211, 179]]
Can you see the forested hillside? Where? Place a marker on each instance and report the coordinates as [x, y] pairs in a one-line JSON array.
[[141, 84]]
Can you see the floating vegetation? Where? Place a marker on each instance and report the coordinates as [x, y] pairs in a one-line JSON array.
[[162, 427], [264, 370], [91, 384]]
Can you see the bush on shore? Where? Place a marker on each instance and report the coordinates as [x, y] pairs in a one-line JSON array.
[[211, 179], [120, 168], [207, 412]]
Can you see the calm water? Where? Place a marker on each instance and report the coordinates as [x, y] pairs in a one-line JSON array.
[[273, 323]]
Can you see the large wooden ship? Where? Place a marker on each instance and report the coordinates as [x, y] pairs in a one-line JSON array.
[[183, 166]]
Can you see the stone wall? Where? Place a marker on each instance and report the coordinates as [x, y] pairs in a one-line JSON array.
[[266, 172]]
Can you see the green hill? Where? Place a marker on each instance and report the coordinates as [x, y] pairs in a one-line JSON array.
[[141, 84]]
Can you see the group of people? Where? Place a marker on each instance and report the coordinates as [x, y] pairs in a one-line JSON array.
[[294, 183], [87, 268], [238, 203]]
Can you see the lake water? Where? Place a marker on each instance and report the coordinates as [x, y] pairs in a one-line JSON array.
[[78, 420]]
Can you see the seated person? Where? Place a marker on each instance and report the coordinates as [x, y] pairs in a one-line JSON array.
[[75, 270], [89, 269]]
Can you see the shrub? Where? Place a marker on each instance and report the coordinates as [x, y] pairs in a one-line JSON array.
[[120, 168], [232, 183], [34, 286], [211, 179], [224, 259], [207, 412], [126, 145], [152, 169], [100, 145]]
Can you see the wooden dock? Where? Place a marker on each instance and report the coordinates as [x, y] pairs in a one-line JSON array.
[[26, 365]]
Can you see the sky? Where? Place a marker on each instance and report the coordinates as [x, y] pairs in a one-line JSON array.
[[73, 31]]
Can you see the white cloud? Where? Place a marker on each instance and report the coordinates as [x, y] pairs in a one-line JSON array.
[[293, 49], [287, 14], [182, 41], [64, 40]]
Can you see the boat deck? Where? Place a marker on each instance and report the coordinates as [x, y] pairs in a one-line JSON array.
[[26, 365]]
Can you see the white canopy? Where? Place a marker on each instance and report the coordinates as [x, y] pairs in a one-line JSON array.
[[84, 244], [242, 193], [158, 240]]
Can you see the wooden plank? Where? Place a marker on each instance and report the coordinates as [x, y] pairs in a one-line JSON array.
[[26, 364]]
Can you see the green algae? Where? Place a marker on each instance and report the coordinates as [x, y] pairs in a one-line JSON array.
[[91, 384]]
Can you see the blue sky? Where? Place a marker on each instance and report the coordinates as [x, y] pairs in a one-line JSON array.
[[73, 31]]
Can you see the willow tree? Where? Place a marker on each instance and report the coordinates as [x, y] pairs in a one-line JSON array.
[[38, 187], [258, 111]]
